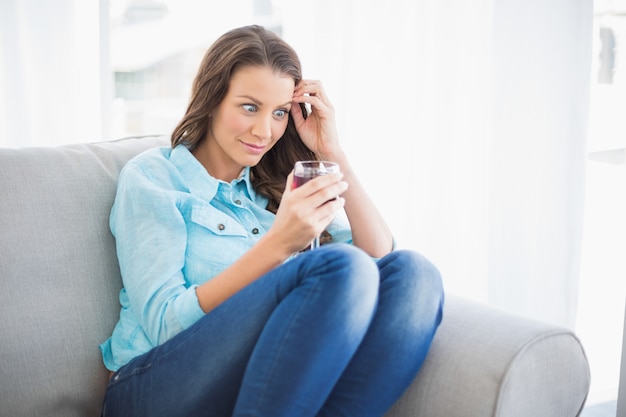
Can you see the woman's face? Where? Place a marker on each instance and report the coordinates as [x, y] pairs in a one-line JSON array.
[[249, 121]]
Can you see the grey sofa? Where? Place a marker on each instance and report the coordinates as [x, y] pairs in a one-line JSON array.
[[59, 299]]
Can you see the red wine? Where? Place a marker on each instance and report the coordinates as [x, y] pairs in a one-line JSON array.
[[305, 171], [298, 181]]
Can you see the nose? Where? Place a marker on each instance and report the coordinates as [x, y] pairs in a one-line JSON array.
[[262, 128]]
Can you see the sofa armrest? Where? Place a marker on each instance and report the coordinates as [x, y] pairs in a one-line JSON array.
[[486, 362]]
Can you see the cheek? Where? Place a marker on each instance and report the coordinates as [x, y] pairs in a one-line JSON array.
[[278, 130], [235, 124]]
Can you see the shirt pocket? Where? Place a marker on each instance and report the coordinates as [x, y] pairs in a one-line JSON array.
[[214, 241]]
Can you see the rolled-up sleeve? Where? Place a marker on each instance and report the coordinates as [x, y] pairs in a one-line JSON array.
[[151, 240]]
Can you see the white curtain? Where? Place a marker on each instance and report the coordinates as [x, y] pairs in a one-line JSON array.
[[52, 82], [541, 81], [467, 122]]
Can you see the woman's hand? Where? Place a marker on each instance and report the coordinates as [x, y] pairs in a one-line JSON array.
[[318, 131], [305, 212]]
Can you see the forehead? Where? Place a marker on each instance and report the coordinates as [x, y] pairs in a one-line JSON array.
[[262, 83]]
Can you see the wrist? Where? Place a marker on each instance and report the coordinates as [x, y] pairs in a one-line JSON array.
[[342, 160], [338, 156], [279, 249]]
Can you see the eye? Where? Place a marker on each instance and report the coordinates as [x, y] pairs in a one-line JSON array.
[[281, 114], [249, 108]]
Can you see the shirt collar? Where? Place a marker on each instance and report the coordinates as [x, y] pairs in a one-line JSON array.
[[245, 177], [199, 181]]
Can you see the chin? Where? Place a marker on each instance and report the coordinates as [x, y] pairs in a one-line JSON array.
[[250, 162]]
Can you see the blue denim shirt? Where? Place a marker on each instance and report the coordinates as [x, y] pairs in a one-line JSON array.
[[177, 227]]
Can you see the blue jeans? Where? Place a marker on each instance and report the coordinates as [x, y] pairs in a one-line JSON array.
[[330, 333]]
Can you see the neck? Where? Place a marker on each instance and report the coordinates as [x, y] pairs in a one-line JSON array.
[[217, 167]]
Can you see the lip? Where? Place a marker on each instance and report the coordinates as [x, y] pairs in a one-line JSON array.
[[253, 149]]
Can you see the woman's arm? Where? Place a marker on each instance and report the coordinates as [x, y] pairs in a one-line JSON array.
[[369, 230], [303, 214], [266, 255]]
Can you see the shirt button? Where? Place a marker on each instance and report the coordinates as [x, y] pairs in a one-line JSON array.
[[238, 202], [255, 231], [221, 226]]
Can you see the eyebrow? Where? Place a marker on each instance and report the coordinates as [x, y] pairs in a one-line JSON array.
[[259, 103]]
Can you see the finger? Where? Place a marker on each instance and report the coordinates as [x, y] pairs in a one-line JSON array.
[[315, 101], [318, 183], [318, 106], [296, 113], [310, 87], [326, 194], [328, 211], [329, 194], [320, 218], [289, 183]]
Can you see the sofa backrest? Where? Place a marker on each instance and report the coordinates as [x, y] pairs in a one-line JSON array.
[[59, 277]]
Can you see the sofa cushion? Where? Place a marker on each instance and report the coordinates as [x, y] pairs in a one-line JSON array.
[[59, 275]]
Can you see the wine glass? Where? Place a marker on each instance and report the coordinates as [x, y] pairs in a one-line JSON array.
[[304, 171]]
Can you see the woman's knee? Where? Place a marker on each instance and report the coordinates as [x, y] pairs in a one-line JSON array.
[[417, 272], [416, 265], [347, 271]]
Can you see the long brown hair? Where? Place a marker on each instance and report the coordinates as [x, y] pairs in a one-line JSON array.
[[245, 46]]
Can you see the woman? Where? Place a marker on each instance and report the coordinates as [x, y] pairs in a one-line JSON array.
[[223, 314]]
